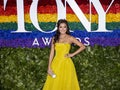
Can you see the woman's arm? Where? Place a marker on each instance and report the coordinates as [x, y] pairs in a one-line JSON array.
[[51, 54], [75, 41]]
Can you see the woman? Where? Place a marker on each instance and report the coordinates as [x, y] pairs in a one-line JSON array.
[[61, 70]]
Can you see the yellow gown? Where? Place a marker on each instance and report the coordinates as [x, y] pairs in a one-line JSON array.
[[63, 67]]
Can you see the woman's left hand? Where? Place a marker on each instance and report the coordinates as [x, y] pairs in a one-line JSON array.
[[69, 55]]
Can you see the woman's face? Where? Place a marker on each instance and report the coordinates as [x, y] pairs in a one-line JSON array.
[[62, 28]]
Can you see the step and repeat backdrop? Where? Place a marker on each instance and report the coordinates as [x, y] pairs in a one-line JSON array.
[[32, 23]]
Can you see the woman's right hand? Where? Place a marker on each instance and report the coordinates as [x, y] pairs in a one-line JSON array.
[[49, 71]]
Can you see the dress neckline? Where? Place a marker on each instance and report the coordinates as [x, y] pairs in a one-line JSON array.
[[62, 43]]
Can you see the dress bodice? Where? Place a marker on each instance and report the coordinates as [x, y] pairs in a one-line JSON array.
[[61, 49]]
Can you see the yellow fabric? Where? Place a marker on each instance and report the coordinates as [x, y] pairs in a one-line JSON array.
[[63, 67]]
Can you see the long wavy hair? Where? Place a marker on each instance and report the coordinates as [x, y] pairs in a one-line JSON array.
[[57, 34]]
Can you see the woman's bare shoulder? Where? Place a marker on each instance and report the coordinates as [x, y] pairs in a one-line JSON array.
[[53, 37], [70, 37], [52, 40]]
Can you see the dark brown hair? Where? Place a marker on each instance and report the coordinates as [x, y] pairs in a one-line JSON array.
[[57, 34]]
